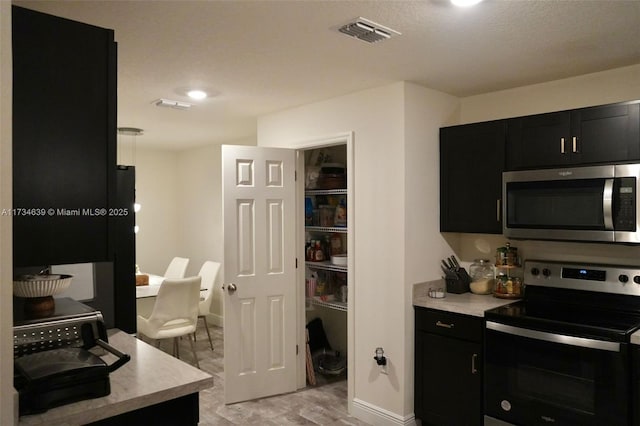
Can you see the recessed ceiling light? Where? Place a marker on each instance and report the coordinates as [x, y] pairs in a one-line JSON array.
[[465, 3], [197, 94]]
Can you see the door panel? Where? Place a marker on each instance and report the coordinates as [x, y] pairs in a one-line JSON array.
[[259, 238]]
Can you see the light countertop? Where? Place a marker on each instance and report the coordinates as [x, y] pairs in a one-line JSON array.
[[465, 303], [150, 377], [635, 338]]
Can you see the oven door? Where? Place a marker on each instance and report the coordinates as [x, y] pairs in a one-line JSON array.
[[539, 378]]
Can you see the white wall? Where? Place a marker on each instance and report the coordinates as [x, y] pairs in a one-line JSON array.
[[7, 392], [385, 166], [157, 191], [181, 197], [616, 85], [425, 112], [200, 215]]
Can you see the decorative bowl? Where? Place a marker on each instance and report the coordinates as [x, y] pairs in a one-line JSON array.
[[40, 285]]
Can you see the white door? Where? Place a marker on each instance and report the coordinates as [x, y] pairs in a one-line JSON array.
[[260, 276]]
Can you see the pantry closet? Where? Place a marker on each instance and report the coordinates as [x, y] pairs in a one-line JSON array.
[[327, 246]]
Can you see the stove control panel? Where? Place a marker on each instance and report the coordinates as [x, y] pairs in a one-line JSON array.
[[615, 279]]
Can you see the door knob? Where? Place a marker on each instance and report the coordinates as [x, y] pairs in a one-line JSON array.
[[231, 288]]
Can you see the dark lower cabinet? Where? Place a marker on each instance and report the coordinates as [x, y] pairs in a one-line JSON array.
[[64, 139], [448, 368], [471, 166]]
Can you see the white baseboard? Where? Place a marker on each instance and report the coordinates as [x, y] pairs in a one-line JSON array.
[[379, 416], [215, 320]]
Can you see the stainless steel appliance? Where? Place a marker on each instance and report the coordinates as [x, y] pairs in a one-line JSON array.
[[562, 355], [53, 364], [598, 203]]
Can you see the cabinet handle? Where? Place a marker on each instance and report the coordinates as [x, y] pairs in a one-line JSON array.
[[474, 370], [561, 145], [498, 210], [442, 324], [575, 144]]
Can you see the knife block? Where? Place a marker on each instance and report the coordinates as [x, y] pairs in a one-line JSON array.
[[457, 286]]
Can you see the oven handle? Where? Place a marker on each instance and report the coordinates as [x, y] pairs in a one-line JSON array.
[[555, 338], [607, 204]]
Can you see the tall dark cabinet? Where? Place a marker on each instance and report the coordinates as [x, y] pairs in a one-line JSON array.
[[67, 191], [471, 166], [64, 139]]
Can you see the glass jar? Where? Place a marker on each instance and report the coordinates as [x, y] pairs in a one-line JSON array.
[[507, 256], [483, 276]]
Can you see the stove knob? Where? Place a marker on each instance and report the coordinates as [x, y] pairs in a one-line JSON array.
[[546, 272], [535, 271], [636, 279], [623, 278]]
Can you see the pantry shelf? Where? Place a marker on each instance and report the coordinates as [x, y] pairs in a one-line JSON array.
[[337, 229], [326, 266], [325, 191], [340, 306]]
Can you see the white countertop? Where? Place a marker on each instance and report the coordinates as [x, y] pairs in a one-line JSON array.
[[635, 338], [465, 303], [150, 377]]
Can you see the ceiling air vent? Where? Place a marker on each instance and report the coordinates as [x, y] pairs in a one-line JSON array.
[[368, 31]]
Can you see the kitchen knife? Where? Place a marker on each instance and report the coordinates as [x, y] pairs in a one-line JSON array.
[[446, 265], [455, 261], [451, 265]]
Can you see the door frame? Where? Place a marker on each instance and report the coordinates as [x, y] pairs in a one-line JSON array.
[[347, 139]]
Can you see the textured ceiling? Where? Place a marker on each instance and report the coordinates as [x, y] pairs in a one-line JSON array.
[[265, 56]]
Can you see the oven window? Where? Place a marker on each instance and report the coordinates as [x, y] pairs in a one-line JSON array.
[[552, 387], [573, 204], [527, 380]]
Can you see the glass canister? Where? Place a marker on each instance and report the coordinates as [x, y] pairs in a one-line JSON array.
[[507, 256], [483, 276]]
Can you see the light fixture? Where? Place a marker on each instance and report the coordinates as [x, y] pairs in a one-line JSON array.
[[465, 3], [168, 103], [134, 132], [196, 94]]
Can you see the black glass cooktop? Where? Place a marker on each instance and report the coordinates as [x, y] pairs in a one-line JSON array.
[[580, 321]]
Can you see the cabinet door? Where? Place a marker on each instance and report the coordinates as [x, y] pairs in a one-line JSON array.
[[604, 134], [448, 381], [538, 141], [471, 165], [64, 110]]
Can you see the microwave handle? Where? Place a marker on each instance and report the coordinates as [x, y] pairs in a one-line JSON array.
[[607, 204], [554, 337]]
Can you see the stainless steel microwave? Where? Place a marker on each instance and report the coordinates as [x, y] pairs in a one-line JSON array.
[[596, 203]]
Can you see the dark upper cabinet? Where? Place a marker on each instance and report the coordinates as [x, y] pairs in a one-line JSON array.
[[602, 134], [471, 166], [64, 139]]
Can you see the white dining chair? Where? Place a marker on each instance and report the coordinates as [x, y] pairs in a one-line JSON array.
[[174, 314], [177, 268], [208, 273]]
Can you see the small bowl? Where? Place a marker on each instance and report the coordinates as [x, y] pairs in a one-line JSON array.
[[40, 285], [339, 259]]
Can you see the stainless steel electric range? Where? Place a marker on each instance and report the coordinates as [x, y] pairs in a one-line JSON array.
[[562, 355]]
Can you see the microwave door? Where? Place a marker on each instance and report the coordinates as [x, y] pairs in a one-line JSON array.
[[579, 209]]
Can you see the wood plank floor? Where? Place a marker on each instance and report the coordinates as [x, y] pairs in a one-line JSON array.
[[325, 404]]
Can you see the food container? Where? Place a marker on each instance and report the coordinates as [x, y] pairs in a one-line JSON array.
[[339, 259], [327, 214], [507, 256], [482, 274]]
